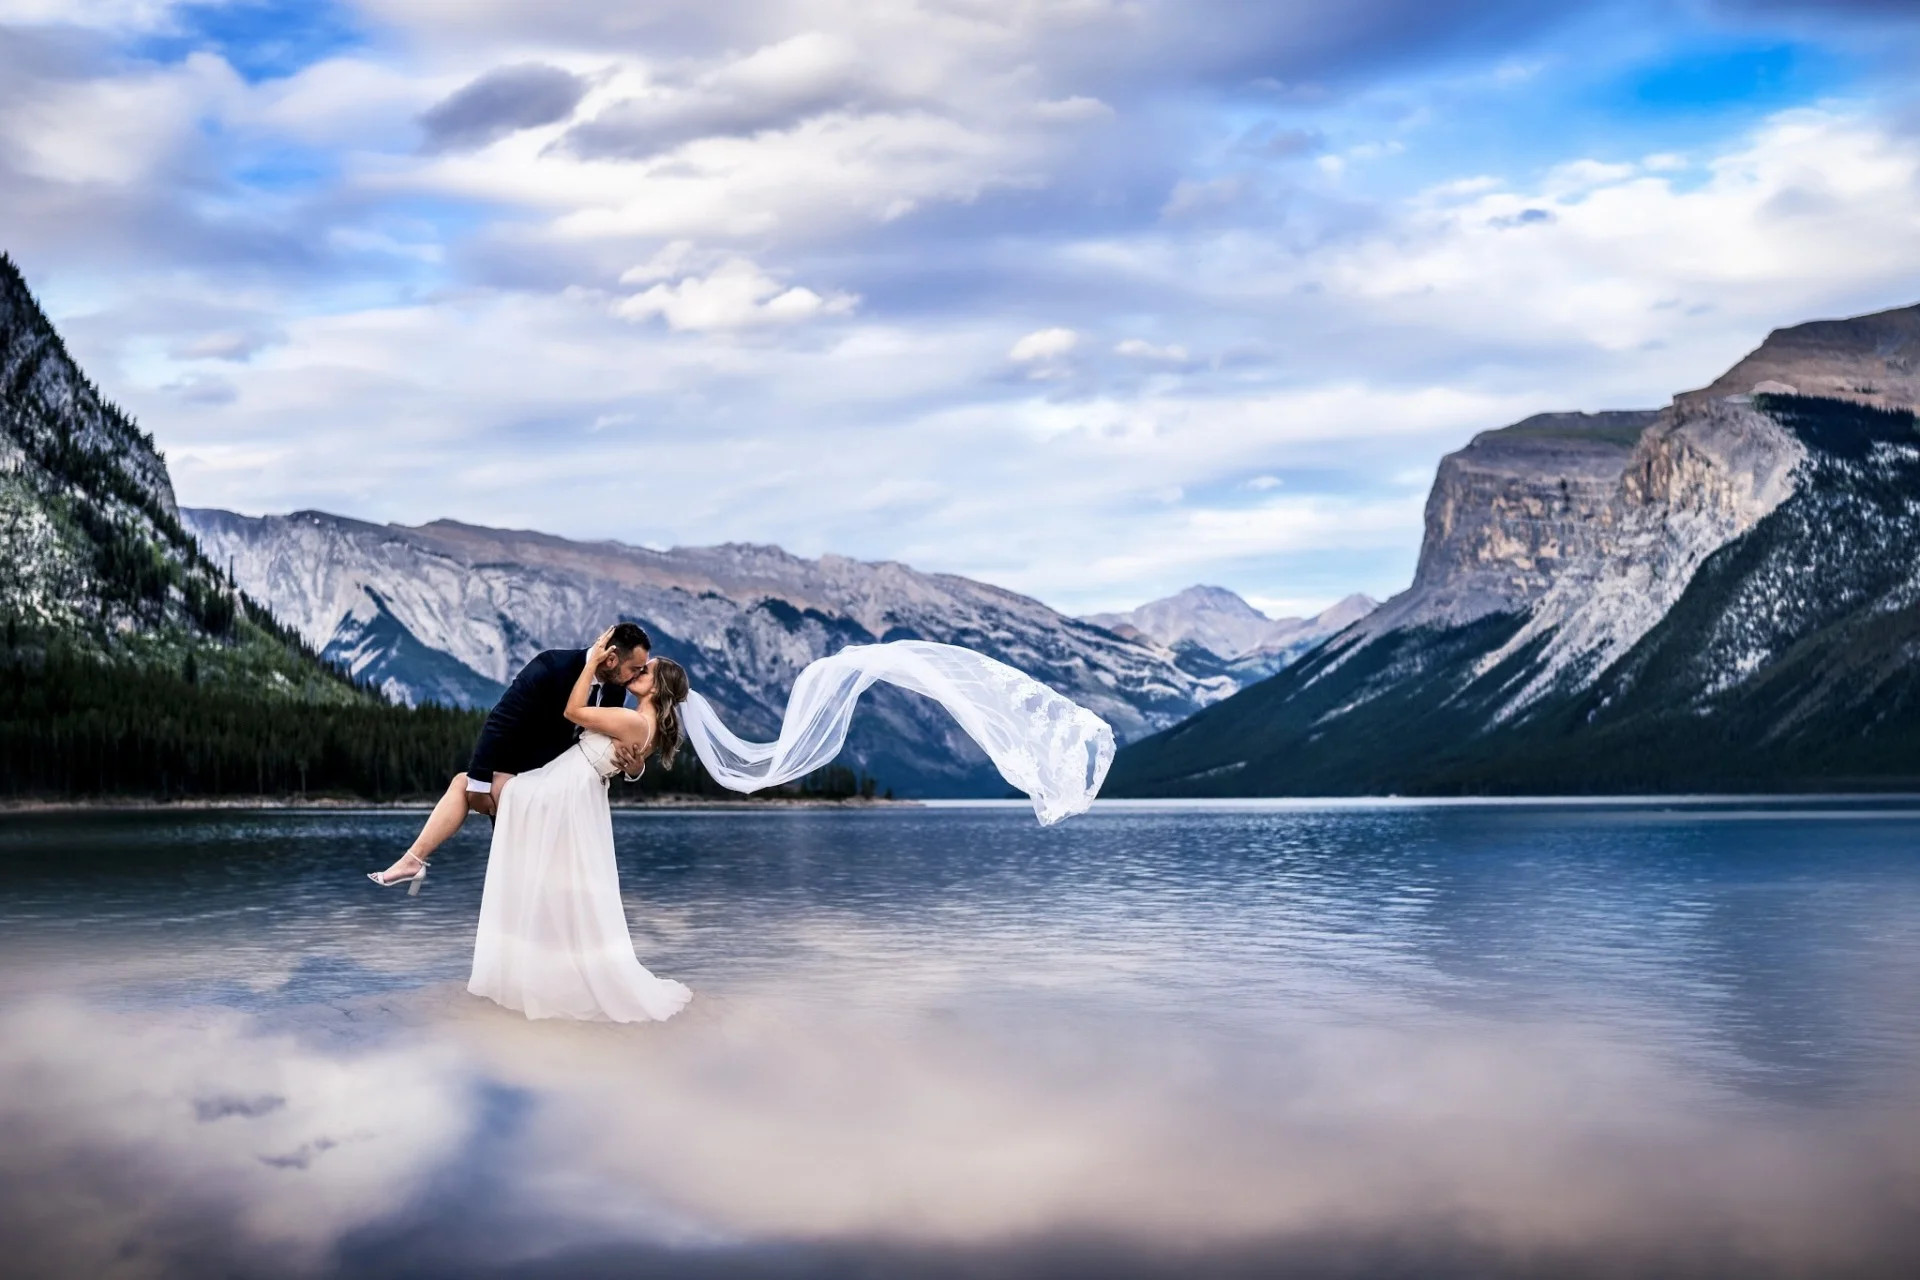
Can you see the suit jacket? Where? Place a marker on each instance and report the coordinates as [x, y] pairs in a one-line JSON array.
[[528, 726]]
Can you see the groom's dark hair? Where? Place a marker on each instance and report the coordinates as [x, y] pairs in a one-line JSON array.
[[628, 636]]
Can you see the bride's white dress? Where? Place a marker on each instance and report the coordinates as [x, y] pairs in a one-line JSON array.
[[553, 940]]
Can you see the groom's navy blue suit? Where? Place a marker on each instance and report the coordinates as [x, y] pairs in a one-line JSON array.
[[529, 725]]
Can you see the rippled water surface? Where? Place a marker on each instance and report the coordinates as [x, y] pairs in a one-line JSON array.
[[1346, 1039]]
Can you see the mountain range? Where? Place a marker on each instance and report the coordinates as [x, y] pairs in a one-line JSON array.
[[1211, 631], [1721, 594], [447, 612]]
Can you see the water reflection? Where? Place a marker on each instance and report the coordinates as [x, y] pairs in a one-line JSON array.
[[1525, 1039]]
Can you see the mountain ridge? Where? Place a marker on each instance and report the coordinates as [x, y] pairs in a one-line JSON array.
[[90, 531], [744, 617], [1576, 621], [1212, 632], [1871, 359]]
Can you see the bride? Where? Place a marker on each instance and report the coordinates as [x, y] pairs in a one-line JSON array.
[[553, 939]]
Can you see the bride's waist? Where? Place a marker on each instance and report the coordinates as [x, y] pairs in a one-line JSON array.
[[597, 748]]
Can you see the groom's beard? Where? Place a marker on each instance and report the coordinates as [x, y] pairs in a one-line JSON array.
[[610, 675]]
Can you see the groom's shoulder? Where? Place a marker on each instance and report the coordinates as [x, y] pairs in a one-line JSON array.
[[558, 659]]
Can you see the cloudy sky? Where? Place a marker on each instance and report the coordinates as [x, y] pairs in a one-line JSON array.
[[1090, 298]]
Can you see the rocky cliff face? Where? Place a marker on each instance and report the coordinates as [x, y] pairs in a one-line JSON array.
[[88, 528], [450, 612], [1573, 564], [1512, 512], [1701, 476], [1589, 526]]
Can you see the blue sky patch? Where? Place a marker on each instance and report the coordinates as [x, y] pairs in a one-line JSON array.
[[1719, 79], [261, 39]]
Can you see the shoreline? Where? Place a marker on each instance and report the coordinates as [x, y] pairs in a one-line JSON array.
[[1696, 801], [214, 804]]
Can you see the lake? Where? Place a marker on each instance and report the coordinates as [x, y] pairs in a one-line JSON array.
[[1337, 1039]]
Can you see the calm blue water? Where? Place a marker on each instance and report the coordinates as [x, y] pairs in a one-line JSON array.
[[1459, 1036]]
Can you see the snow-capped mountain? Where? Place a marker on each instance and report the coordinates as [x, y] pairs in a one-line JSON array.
[[1243, 641], [1214, 618], [1720, 593], [449, 612]]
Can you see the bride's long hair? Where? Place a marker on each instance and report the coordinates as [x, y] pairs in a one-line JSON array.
[[669, 691]]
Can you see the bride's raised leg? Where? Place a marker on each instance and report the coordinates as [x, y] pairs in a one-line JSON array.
[[448, 813]]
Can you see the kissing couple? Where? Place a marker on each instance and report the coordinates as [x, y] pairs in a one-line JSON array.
[[553, 939]]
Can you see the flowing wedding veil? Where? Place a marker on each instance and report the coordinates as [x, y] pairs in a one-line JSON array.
[[1046, 745]]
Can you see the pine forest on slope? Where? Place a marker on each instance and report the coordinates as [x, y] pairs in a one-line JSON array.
[[129, 665]]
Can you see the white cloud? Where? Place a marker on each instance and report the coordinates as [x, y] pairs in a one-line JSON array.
[[927, 459], [117, 131], [362, 240], [284, 1146], [1578, 176], [1190, 197], [1140, 349], [1815, 208], [825, 174], [108, 15], [673, 259], [1197, 538], [225, 345], [735, 295], [1072, 110], [1043, 345], [493, 325], [341, 102], [799, 67]]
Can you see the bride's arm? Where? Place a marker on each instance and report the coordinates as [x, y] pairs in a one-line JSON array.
[[618, 723]]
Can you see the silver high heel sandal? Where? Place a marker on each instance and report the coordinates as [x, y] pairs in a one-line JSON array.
[[413, 882]]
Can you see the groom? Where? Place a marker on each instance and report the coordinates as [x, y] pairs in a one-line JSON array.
[[527, 728], [529, 725]]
